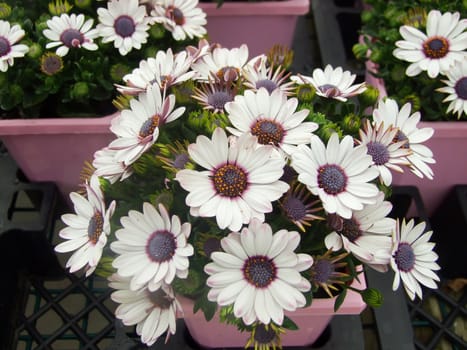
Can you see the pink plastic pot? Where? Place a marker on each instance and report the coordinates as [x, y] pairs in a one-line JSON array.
[[311, 322], [55, 149], [449, 145], [260, 25]]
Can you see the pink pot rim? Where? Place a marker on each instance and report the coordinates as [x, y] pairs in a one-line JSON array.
[[264, 8], [96, 125]]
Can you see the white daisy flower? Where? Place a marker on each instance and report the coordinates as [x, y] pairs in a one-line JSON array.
[[332, 83], [184, 18], [456, 87], [125, 23], [108, 167], [270, 117], [152, 247], [259, 273], [239, 183], [413, 259], [259, 74], [366, 234], [225, 64], [68, 31], [138, 128], [434, 51], [339, 174], [87, 230], [388, 113], [9, 36], [153, 313], [387, 155], [165, 70], [215, 95]]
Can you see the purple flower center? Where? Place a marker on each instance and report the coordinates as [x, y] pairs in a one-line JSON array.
[[260, 271], [266, 83], [294, 208], [5, 46], [268, 132], [149, 126], [95, 227], [263, 335], [180, 161], [323, 270], [230, 180], [72, 38], [161, 246], [436, 47], [461, 88], [350, 229], [330, 90], [404, 257], [176, 15], [378, 152], [400, 136], [332, 179], [218, 99], [124, 26]]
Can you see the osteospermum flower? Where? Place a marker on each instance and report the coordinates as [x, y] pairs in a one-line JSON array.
[[332, 83], [70, 31], [225, 64], [87, 230], [107, 166], [215, 94], [152, 247], [273, 118], [456, 87], [137, 128], [125, 23], [265, 336], [9, 36], [165, 70], [387, 155], [434, 51], [338, 173], [366, 234], [259, 74], [327, 271], [51, 63], [239, 183], [259, 273], [413, 259], [153, 313], [388, 113], [181, 17]]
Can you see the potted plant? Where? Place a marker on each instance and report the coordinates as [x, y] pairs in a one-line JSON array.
[[259, 24], [238, 192], [59, 61], [415, 52]]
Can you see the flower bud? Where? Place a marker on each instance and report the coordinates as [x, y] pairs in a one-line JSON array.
[[80, 90], [351, 124], [366, 16], [35, 50], [59, 7], [368, 97], [5, 10], [104, 268], [360, 51], [376, 56], [372, 297], [157, 31], [82, 4]]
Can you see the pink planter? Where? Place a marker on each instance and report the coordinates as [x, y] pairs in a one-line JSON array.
[[449, 145], [311, 322], [260, 25], [55, 149]]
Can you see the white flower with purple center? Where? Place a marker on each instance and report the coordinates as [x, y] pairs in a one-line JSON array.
[[436, 50], [332, 83], [420, 155], [259, 273], [165, 70], [153, 313], [239, 182], [184, 18], [9, 36], [87, 230], [108, 167], [456, 87], [339, 173], [152, 248], [214, 95], [70, 31], [124, 23], [366, 234], [138, 128], [413, 259], [387, 154], [272, 118]]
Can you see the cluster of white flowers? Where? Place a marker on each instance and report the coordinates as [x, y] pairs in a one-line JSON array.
[[238, 174], [124, 22], [441, 50]]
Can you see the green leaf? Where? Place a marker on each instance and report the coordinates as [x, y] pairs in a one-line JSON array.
[[340, 299], [289, 324]]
